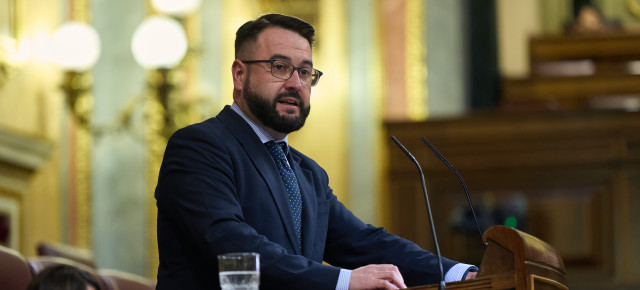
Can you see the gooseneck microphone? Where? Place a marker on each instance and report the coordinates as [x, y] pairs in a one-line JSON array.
[[426, 199], [464, 186]]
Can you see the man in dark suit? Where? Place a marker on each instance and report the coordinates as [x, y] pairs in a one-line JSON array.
[[233, 184]]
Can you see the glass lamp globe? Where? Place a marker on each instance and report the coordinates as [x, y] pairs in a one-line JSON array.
[[159, 42], [176, 7], [75, 46]]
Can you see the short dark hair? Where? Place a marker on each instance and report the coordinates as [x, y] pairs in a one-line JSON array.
[[62, 276], [249, 31]]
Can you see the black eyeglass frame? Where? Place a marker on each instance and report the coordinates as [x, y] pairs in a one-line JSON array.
[[295, 68]]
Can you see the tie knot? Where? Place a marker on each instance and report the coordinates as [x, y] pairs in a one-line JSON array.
[[276, 149]]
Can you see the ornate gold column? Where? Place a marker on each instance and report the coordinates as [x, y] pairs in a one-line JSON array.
[[159, 110], [77, 87], [416, 61], [166, 106], [156, 137]]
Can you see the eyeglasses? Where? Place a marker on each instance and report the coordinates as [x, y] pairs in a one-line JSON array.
[[284, 70]]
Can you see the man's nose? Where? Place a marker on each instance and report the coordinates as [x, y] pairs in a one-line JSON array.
[[294, 81]]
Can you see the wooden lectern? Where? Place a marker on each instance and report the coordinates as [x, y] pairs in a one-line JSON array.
[[514, 260]]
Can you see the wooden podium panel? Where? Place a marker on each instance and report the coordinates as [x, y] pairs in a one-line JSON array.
[[514, 260], [574, 175]]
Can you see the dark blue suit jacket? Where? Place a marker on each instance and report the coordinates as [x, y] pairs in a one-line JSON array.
[[219, 191]]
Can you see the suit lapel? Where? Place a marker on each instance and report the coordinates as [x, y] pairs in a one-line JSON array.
[[259, 156], [309, 202]]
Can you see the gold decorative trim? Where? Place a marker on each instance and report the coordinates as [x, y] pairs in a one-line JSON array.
[[549, 282], [634, 7], [416, 61], [80, 10], [83, 187], [9, 43], [77, 89]]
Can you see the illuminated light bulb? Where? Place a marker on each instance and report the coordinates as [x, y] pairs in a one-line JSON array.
[[159, 42], [75, 46]]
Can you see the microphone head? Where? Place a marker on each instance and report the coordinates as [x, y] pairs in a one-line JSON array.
[[405, 150]]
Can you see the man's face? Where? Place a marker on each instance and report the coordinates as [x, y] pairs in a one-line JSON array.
[[281, 105], [266, 109]]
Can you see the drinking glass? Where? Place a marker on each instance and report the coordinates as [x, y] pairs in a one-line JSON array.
[[239, 271]]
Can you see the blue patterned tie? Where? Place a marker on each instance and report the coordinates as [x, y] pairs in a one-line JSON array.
[[290, 184]]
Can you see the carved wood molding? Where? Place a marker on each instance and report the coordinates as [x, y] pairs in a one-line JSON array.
[[20, 156]]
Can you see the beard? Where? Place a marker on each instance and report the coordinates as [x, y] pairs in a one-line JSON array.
[[267, 113]]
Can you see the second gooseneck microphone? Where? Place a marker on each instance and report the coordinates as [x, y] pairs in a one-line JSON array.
[[464, 186], [426, 198]]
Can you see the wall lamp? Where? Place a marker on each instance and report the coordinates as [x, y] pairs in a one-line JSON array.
[[76, 48], [159, 44]]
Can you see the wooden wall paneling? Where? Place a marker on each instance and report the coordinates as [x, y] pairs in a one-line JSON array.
[[598, 70], [618, 46], [572, 174]]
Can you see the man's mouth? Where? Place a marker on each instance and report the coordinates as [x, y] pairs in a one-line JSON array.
[[289, 101]]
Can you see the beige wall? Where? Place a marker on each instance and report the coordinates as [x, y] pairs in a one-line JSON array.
[[30, 104]]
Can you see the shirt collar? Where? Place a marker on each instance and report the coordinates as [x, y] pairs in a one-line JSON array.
[[262, 134]]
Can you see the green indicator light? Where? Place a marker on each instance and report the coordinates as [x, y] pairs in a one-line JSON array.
[[511, 222]]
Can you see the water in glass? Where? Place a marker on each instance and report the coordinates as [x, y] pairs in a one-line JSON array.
[[239, 280]]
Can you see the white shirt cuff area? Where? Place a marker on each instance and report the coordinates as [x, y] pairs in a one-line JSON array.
[[456, 272], [343, 279]]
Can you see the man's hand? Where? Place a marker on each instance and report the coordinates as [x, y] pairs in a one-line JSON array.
[[471, 275], [376, 277]]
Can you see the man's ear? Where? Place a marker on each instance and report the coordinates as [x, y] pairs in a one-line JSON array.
[[239, 74]]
